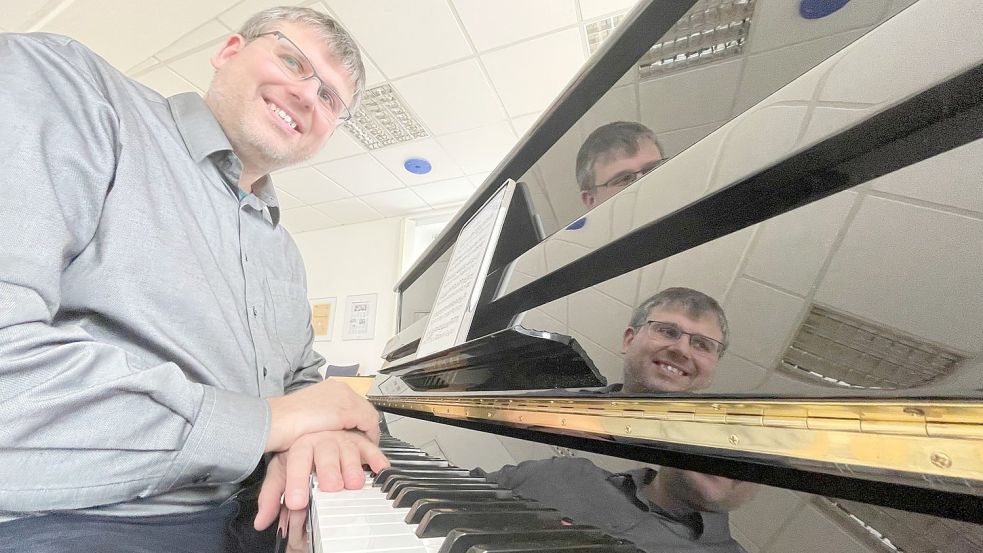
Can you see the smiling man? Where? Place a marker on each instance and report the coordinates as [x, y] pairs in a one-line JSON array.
[[613, 157], [673, 344], [155, 335]]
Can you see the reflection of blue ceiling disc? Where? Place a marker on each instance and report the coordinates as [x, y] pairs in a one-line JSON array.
[[417, 166], [814, 9]]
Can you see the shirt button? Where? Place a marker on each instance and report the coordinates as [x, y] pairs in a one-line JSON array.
[[254, 311], [264, 371], [245, 256]]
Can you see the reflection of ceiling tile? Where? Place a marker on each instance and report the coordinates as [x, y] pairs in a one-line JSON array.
[[452, 98], [549, 61], [761, 319], [308, 185], [690, 98], [599, 317], [395, 41], [778, 24], [952, 185], [758, 139], [710, 267], [912, 268], [491, 24]]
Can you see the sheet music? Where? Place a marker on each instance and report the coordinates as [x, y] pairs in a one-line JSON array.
[[461, 285]]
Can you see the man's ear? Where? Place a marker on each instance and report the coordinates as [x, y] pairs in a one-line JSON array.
[[626, 340], [229, 48], [588, 198]]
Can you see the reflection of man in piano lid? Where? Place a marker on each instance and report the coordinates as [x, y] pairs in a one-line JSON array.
[[672, 344], [614, 156]]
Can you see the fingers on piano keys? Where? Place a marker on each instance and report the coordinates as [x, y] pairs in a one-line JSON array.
[[422, 504]]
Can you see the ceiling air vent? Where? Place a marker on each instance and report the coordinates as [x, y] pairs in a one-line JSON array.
[[710, 31], [383, 120], [847, 351]]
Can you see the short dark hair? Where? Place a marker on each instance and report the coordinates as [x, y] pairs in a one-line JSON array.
[[696, 304], [621, 136]]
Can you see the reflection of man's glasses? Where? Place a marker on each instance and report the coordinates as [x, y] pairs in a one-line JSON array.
[[670, 332], [626, 179], [297, 66]]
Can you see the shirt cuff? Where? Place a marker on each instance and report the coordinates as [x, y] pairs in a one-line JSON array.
[[226, 441]]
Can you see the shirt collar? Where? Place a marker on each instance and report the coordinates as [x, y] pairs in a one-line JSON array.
[[204, 138]]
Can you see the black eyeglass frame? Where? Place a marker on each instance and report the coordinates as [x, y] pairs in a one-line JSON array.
[[346, 113], [719, 345], [635, 176]]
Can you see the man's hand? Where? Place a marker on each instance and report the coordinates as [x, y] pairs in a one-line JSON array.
[[336, 456], [327, 405]]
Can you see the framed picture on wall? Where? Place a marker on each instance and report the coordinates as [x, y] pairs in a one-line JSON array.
[[359, 317], [322, 318]]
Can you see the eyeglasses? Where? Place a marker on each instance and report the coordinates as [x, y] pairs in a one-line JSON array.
[[670, 332], [296, 65], [626, 179]]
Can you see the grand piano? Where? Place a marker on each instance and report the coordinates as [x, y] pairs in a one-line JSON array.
[[821, 184]]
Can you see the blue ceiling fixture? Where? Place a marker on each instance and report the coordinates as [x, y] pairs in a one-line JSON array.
[[417, 166], [815, 9]]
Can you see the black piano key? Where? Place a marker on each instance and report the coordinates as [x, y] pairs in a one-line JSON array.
[[390, 483], [424, 506], [460, 486], [438, 522], [460, 540], [407, 497], [554, 547], [386, 474]]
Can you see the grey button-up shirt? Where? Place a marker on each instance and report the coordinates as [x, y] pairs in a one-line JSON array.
[[145, 309]]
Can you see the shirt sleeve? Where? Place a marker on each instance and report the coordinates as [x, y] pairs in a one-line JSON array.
[[85, 423]]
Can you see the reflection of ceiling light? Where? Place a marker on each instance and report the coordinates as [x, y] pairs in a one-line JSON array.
[[383, 120], [599, 30], [846, 351], [711, 30]]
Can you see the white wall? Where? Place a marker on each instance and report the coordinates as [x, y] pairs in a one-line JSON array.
[[351, 260]]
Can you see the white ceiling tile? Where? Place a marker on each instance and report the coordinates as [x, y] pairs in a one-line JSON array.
[[287, 201], [126, 33], [777, 24], [348, 211], [529, 75], [599, 317], [142, 66], [206, 36], [360, 175], [695, 97], [452, 98], [309, 186], [196, 68], [303, 219], [709, 267], [404, 37], [445, 192], [951, 183], [244, 9], [373, 77], [791, 249], [395, 202], [523, 123], [911, 268], [589, 9], [341, 144], [762, 320], [19, 16], [478, 179], [393, 157], [492, 24], [481, 149], [166, 82]]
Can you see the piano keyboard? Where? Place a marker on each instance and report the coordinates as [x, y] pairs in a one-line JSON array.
[[422, 504]]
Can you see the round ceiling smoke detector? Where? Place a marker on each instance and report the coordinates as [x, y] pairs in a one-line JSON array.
[[417, 166]]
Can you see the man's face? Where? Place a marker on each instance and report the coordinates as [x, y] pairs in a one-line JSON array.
[[654, 364], [249, 89], [618, 163], [704, 492]]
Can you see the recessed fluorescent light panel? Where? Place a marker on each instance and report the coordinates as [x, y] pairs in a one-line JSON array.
[[383, 120], [600, 30], [710, 31], [846, 351]]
